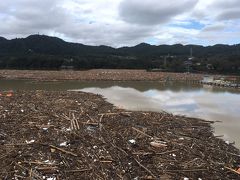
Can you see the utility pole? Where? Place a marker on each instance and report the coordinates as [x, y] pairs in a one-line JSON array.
[[189, 61], [165, 62]]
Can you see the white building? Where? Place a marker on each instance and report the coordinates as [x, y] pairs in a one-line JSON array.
[[208, 79]]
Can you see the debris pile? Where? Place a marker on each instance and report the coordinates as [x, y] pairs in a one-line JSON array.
[[76, 135], [99, 75]]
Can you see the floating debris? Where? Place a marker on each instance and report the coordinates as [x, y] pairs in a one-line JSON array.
[[63, 144], [157, 144], [132, 141], [76, 135], [29, 142]]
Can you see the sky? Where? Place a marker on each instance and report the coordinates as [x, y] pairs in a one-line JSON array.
[[124, 22]]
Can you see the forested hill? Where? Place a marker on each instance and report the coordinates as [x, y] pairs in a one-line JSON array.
[[45, 52]]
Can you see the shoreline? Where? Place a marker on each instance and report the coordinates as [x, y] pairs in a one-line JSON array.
[[98, 75], [118, 75], [80, 135]]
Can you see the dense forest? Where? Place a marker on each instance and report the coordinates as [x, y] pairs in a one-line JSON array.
[[44, 52]]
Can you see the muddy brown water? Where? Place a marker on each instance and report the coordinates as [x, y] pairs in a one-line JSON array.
[[210, 103]]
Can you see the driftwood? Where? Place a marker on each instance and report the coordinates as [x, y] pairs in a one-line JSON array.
[[75, 135], [64, 151]]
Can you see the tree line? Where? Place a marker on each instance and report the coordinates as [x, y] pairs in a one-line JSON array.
[[51, 53]]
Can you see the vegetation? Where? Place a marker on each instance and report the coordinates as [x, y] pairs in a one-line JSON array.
[[44, 52]]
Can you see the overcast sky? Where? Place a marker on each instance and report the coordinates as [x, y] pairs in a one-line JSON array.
[[124, 22]]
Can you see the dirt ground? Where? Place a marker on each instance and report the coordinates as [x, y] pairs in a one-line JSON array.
[[99, 75], [76, 135]]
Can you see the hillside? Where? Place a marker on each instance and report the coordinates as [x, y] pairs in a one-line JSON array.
[[45, 52]]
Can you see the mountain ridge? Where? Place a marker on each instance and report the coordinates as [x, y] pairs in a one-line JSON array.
[[140, 44], [46, 52]]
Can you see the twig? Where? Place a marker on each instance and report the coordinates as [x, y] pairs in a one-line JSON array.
[[38, 163], [106, 161], [139, 131], [77, 170], [64, 151], [146, 169], [109, 114], [166, 152], [47, 168], [89, 117], [142, 153], [185, 170], [90, 123], [233, 170], [100, 120], [76, 121]]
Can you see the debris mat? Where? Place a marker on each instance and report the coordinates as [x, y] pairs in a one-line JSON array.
[[76, 135]]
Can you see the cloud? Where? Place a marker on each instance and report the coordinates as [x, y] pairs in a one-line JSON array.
[[22, 17], [153, 12], [124, 22], [221, 33], [230, 14], [219, 10], [118, 34], [215, 27]]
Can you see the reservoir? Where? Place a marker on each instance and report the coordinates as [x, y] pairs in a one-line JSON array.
[[194, 100]]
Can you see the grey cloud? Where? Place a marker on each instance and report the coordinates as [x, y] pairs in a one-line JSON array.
[[228, 10], [223, 4], [214, 27], [24, 16], [219, 10], [153, 12], [229, 15], [114, 35]]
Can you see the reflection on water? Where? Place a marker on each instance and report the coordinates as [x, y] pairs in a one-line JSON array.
[[216, 104], [201, 103]]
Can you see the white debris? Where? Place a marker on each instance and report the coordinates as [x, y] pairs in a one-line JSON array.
[[185, 178], [181, 138], [68, 129], [63, 144], [22, 110], [199, 178], [174, 155], [29, 142], [158, 144], [94, 147], [51, 178], [45, 129], [227, 142], [132, 141]]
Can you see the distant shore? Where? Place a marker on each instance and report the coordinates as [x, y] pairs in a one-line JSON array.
[[99, 75]]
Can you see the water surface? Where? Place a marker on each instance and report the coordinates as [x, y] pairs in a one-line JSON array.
[[216, 104]]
